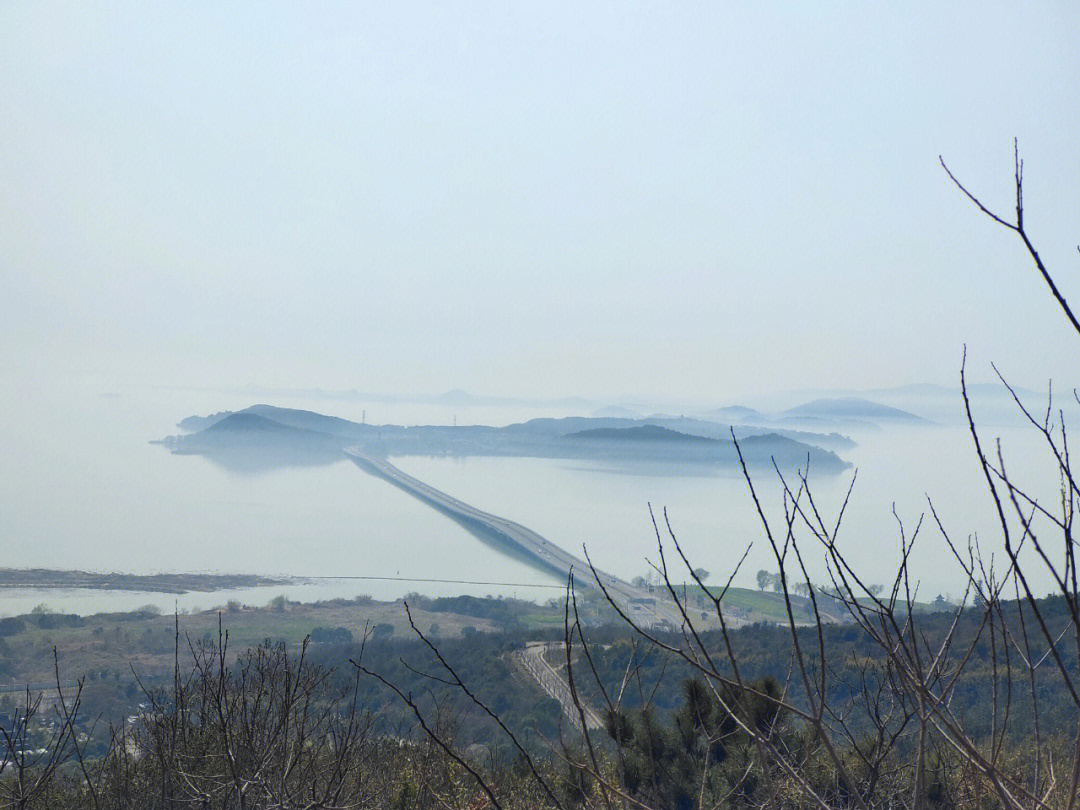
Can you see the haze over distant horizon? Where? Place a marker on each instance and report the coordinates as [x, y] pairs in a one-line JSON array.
[[548, 200]]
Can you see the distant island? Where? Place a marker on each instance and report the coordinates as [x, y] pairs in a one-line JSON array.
[[641, 433], [40, 578], [843, 413], [271, 436], [852, 408]]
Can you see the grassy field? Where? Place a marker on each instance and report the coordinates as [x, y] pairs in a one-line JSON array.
[[757, 606]]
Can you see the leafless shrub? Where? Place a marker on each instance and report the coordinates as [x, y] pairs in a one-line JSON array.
[[895, 741]]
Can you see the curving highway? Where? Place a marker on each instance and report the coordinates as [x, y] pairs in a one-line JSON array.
[[532, 662]]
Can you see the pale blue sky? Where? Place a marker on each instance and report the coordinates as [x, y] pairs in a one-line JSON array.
[[692, 200]]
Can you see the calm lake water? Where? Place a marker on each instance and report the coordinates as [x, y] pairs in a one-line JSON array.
[[82, 487]]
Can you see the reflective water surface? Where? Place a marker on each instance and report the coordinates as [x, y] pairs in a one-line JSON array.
[[81, 486]]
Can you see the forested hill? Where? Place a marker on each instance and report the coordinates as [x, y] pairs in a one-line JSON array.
[[641, 433]]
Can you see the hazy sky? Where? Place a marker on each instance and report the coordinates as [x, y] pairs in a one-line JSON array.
[[698, 200]]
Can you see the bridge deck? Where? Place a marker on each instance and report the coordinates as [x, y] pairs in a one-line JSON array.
[[521, 540]]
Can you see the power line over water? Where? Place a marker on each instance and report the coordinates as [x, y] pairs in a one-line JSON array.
[[446, 581]]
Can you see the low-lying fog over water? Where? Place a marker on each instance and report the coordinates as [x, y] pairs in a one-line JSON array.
[[83, 488]]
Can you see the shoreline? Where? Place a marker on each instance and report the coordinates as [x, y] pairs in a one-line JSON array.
[[60, 579]]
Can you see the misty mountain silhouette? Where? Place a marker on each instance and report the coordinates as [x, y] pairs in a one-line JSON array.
[[641, 433], [852, 408], [267, 437]]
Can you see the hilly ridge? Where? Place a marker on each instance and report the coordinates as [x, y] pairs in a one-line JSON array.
[[266, 434], [641, 433]]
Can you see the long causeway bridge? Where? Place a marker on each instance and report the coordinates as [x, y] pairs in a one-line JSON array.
[[522, 542]]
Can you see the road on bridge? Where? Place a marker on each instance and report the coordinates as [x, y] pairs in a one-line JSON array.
[[633, 600]]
